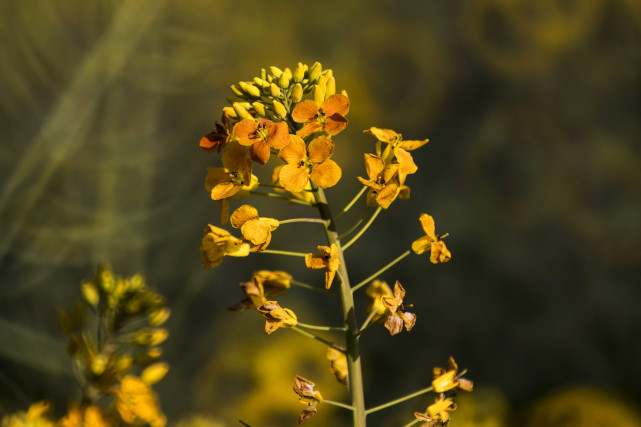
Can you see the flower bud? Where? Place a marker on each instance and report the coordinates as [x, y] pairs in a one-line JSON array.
[[236, 91], [283, 81], [138, 281], [319, 94], [154, 373], [123, 364], [330, 87], [315, 72], [259, 108], [274, 90], [252, 90], [230, 112], [260, 82], [241, 111], [149, 357], [280, 110], [299, 73], [263, 74], [159, 316], [297, 93], [98, 364], [276, 72], [90, 293]]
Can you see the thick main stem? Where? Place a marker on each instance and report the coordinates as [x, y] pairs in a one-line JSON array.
[[349, 315]]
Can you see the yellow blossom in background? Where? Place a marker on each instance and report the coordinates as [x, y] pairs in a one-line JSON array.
[[88, 416], [329, 117], [396, 146], [308, 396], [261, 135], [38, 415], [444, 380], [216, 140], [396, 314], [277, 317], [338, 364], [327, 258], [136, 403], [308, 162], [256, 230], [226, 181], [218, 243], [431, 242], [385, 181], [377, 290]]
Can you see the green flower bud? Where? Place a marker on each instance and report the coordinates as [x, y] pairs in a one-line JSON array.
[[98, 364], [315, 72], [274, 90], [280, 110], [138, 281], [259, 108], [297, 93], [123, 364]]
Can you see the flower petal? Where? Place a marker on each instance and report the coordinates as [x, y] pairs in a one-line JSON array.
[[293, 178], [295, 151], [386, 135], [260, 152], [335, 124], [309, 129], [305, 111], [336, 104], [256, 231], [413, 145], [242, 215], [327, 174], [422, 245], [244, 131], [427, 222], [320, 149], [278, 135]]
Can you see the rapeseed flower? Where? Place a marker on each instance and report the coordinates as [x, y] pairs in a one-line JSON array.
[[136, 403], [327, 258], [431, 242], [396, 146], [277, 317], [226, 181], [261, 135], [385, 182], [308, 396], [444, 380], [308, 162], [216, 140], [329, 117], [396, 314], [218, 243], [256, 230]]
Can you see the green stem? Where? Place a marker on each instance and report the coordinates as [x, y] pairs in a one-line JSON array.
[[322, 328], [362, 230], [312, 288], [350, 204], [283, 197], [388, 266], [340, 405], [317, 338], [399, 400], [288, 253], [366, 323], [353, 227], [411, 423], [293, 220], [349, 315]]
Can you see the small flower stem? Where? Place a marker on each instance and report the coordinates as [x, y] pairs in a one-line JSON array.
[[350, 204], [317, 338], [355, 226], [388, 266], [288, 253], [293, 220], [322, 328], [279, 196], [312, 288], [399, 400], [366, 323], [340, 405], [410, 424], [362, 230]]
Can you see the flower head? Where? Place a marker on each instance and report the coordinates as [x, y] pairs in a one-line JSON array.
[[256, 230], [431, 242], [444, 380], [137, 403], [216, 140], [327, 258], [277, 317], [261, 135], [329, 117], [218, 243], [385, 182], [396, 314], [308, 162], [397, 147], [308, 396]]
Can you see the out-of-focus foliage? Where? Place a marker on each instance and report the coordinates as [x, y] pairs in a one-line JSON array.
[[532, 110]]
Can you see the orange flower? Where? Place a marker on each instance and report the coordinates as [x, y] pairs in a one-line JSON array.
[[308, 396], [431, 242], [385, 182], [326, 258], [329, 117], [218, 243], [396, 314], [223, 182], [257, 230], [216, 140], [304, 163], [137, 404], [262, 285], [306, 196], [277, 317], [261, 135], [397, 147]]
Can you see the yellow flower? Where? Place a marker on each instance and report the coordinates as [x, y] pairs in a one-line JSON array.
[[431, 242], [216, 140], [326, 258], [256, 230], [329, 117], [397, 147], [385, 181], [306, 196], [89, 416], [444, 380], [226, 181], [305, 162], [261, 135], [218, 243], [262, 285], [308, 396], [338, 364], [440, 409], [277, 317], [396, 314], [136, 403], [36, 416], [377, 290]]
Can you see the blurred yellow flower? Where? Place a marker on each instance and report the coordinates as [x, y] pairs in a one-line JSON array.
[[308, 396], [261, 135], [256, 230], [438, 413], [329, 117], [444, 380], [431, 242], [396, 314], [88, 416], [36, 416], [338, 364], [277, 317], [327, 258], [136, 403], [218, 243], [308, 162]]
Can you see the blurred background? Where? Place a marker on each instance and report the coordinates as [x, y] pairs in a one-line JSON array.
[[532, 109]]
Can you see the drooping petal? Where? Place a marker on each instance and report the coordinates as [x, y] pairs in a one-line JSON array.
[[295, 151], [224, 190], [320, 149], [243, 214], [327, 174], [385, 135], [427, 222], [215, 175], [440, 253], [236, 158], [256, 231], [412, 145], [336, 104], [314, 261], [335, 124], [374, 165], [409, 320], [305, 111], [394, 324], [293, 178], [309, 129], [407, 165]]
